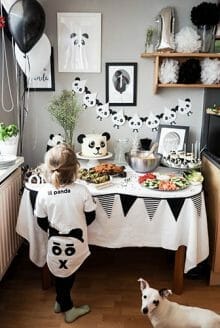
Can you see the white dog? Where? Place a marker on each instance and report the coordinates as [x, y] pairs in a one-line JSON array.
[[166, 314]]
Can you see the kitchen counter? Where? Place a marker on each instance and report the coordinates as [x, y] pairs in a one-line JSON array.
[[4, 173]]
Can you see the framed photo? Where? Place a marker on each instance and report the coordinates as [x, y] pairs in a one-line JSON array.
[[79, 42], [44, 81], [121, 84], [172, 138]]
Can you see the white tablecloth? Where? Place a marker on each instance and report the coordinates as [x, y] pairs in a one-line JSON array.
[[129, 215]]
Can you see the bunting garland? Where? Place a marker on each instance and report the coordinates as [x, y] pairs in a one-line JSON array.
[[135, 123]]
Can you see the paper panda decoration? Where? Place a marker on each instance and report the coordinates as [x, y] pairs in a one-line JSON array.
[[54, 139], [135, 123], [118, 119], [93, 145], [89, 99], [153, 122], [184, 107], [64, 251], [169, 116], [78, 86], [102, 111]]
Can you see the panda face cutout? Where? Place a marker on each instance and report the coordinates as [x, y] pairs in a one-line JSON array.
[[102, 111], [135, 123], [184, 107], [89, 100], [118, 119], [62, 253], [152, 122], [78, 86], [169, 116]]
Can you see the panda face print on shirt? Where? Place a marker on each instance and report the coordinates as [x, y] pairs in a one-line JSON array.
[[63, 251]]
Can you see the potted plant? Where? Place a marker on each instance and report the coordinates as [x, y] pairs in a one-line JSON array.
[[65, 109], [9, 135]]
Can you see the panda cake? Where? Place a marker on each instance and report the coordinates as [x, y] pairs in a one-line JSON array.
[[94, 145]]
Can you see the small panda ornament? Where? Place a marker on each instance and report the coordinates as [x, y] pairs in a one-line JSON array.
[[54, 139]]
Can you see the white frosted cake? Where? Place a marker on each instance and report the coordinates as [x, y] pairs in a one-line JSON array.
[[93, 145]]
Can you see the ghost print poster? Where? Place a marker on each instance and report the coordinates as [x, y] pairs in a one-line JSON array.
[[79, 42]]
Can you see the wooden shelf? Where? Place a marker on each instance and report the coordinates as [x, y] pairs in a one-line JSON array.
[[159, 56]]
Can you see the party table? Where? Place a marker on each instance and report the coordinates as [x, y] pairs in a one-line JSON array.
[[130, 215]]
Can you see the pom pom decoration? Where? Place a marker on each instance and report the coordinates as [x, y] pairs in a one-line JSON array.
[[190, 71], [187, 40], [210, 73], [206, 13], [169, 70]]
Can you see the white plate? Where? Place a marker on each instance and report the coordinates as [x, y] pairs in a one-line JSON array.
[[7, 160]]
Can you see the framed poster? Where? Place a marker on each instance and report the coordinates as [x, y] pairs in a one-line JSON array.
[[79, 42], [172, 138], [44, 81], [121, 84]]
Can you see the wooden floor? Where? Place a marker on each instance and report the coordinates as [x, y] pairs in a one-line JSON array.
[[107, 282]]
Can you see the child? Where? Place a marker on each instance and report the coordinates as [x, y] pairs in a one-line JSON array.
[[64, 209]]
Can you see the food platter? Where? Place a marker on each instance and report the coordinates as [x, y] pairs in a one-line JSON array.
[[171, 183]]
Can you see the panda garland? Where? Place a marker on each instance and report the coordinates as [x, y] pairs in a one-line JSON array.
[[94, 145], [54, 140]]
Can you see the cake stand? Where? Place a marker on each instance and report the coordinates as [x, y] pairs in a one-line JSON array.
[[91, 160]]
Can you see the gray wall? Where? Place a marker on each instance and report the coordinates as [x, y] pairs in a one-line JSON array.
[[124, 23]]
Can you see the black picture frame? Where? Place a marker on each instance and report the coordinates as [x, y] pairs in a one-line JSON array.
[[44, 81], [121, 84], [172, 137]]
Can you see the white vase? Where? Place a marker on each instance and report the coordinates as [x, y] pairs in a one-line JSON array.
[[9, 146]]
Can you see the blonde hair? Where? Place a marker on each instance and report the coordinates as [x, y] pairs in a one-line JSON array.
[[61, 165]]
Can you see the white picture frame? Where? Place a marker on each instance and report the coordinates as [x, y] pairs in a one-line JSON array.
[[79, 42], [172, 138]]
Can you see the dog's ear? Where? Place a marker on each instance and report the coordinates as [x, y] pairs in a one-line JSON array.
[[143, 283], [164, 292]]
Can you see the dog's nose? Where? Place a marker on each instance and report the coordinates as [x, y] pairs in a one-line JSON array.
[[145, 310]]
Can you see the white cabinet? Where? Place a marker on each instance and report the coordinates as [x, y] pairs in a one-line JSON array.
[[9, 205]]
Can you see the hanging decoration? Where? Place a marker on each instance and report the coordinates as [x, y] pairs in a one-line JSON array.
[[205, 17], [135, 122], [118, 119], [184, 107], [169, 116], [26, 21], [102, 111]]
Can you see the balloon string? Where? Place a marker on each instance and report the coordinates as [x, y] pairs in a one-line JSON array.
[[5, 66]]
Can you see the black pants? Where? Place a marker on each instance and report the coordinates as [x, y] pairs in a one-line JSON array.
[[63, 290]]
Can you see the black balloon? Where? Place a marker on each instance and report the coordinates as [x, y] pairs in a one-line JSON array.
[[26, 21]]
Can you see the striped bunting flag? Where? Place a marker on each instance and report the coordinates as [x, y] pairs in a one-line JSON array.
[[107, 203], [151, 205], [197, 201]]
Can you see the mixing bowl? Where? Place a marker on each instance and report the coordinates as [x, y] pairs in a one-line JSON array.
[[139, 161]]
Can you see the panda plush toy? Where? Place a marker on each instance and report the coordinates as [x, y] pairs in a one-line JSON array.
[[54, 139]]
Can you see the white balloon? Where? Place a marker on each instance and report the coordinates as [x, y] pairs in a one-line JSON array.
[[7, 4], [36, 59]]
